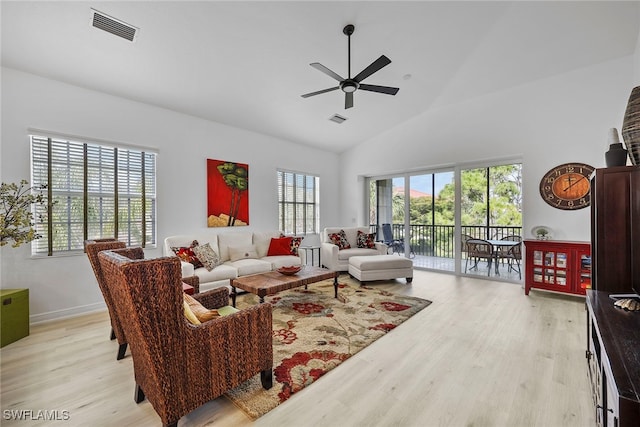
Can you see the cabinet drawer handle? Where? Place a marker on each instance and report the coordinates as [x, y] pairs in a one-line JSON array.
[[602, 407]]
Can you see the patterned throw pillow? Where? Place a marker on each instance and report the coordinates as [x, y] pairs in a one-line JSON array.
[[366, 240], [186, 254], [207, 256], [340, 240], [295, 244]]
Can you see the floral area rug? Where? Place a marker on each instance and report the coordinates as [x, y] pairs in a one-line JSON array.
[[313, 332]]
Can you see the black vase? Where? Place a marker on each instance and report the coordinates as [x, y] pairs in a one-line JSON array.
[[616, 156]]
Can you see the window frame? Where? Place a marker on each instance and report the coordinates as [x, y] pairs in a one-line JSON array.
[[305, 207], [86, 181]]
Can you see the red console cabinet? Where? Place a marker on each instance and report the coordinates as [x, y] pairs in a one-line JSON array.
[[557, 265]]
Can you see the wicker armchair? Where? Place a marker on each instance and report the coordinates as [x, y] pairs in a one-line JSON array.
[[92, 247], [179, 366]]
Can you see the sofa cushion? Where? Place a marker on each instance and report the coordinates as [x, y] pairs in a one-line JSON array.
[[207, 256], [262, 240], [346, 253], [282, 261], [232, 239], [221, 272], [365, 240], [339, 239], [380, 262], [242, 252], [249, 266], [279, 246], [227, 310]]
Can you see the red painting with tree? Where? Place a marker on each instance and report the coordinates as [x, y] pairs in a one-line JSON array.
[[227, 193]]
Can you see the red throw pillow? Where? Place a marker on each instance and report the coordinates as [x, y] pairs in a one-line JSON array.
[[281, 246], [295, 244]]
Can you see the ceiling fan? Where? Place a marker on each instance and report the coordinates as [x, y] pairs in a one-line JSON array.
[[350, 85]]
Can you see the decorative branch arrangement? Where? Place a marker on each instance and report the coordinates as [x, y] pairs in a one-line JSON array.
[[16, 218]]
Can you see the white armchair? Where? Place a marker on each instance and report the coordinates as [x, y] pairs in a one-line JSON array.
[[338, 259]]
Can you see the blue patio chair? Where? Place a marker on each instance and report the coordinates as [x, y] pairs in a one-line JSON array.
[[396, 245]]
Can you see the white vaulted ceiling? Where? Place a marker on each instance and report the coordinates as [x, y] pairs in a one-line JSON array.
[[247, 63]]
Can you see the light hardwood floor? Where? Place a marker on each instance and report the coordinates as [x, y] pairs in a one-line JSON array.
[[483, 354]]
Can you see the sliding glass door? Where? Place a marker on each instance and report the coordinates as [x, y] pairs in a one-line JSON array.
[[430, 216], [432, 220], [387, 206], [423, 222], [491, 210]]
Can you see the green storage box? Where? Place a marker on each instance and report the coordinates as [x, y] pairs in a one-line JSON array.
[[14, 315]]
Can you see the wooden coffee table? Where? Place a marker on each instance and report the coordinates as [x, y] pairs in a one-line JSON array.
[[273, 282]]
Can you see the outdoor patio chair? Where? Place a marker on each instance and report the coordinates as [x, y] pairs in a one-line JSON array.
[[479, 249], [464, 248], [396, 245], [512, 254]]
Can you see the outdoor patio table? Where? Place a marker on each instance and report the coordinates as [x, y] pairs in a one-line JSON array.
[[495, 246]]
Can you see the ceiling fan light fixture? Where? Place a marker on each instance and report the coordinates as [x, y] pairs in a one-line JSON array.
[[349, 86]]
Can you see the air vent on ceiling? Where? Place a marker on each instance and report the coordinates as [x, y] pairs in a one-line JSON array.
[[113, 26], [337, 118]]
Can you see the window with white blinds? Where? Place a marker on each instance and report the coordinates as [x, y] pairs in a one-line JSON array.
[[97, 191], [298, 203]]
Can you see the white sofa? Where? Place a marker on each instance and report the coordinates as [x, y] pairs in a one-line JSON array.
[[220, 242], [338, 259]]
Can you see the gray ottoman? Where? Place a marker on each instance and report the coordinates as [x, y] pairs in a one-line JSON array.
[[380, 267]]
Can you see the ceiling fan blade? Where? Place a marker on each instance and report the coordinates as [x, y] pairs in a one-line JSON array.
[[380, 89], [348, 100], [318, 66], [306, 95], [376, 65]]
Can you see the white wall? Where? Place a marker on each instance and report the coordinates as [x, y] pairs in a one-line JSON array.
[[546, 123], [62, 286]]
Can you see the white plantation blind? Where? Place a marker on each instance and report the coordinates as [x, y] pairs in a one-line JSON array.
[[98, 191], [298, 203]]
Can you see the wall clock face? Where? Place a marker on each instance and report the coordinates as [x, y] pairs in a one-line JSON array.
[[567, 186]]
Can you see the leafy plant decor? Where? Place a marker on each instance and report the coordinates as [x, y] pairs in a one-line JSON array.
[[16, 218]]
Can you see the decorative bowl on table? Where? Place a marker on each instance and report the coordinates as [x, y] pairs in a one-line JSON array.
[[289, 271]]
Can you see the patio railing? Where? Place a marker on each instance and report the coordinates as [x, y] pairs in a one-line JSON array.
[[438, 240]]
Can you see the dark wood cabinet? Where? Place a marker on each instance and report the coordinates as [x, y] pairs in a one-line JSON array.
[[615, 229], [613, 345], [613, 358], [557, 265]]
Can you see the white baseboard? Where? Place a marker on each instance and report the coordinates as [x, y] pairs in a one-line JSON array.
[[66, 313]]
